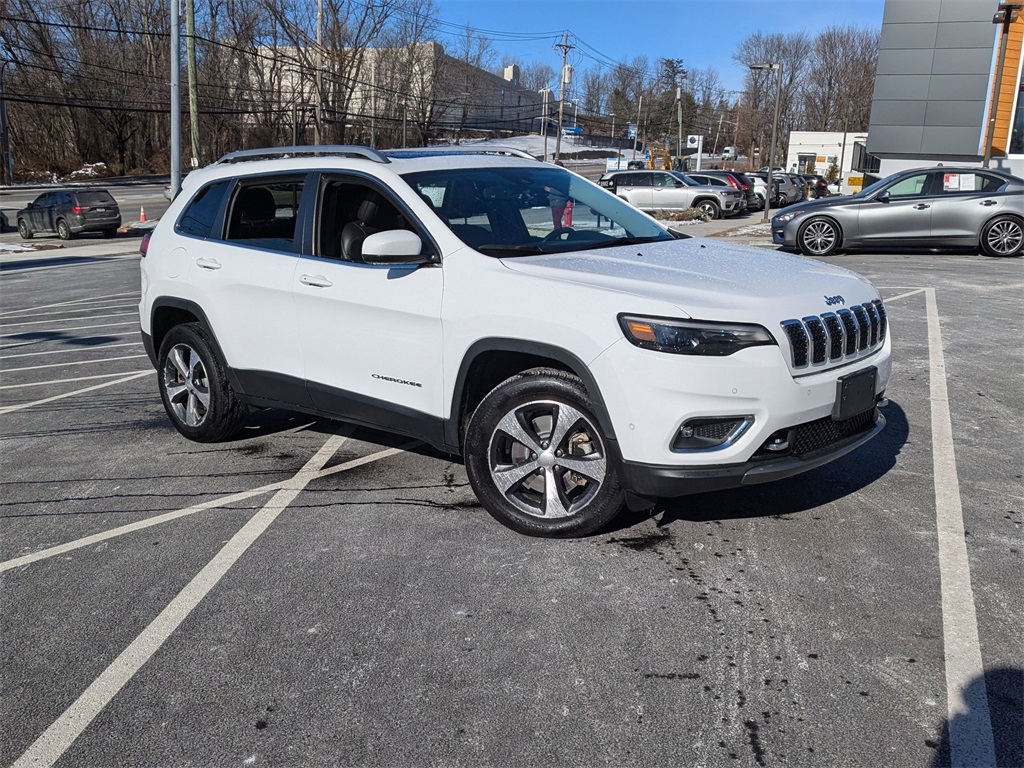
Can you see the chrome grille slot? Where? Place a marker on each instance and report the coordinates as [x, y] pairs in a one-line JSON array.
[[873, 319], [816, 329], [850, 328], [883, 319], [862, 321], [836, 336], [798, 341]]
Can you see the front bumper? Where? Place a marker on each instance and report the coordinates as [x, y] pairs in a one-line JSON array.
[[661, 481]]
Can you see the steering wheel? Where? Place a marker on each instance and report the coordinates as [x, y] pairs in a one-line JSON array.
[[555, 234]]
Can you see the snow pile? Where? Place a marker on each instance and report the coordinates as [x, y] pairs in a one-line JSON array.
[[534, 144], [89, 171], [761, 229], [14, 248]]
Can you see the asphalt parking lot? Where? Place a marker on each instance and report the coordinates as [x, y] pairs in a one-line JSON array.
[[316, 594]]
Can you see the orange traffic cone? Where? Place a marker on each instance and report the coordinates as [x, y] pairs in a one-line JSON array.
[[142, 213]]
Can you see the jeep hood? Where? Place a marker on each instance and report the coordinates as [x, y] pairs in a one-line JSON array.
[[707, 279]]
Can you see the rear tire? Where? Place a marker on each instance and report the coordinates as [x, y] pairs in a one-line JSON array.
[[1003, 237], [24, 230], [63, 230], [109, 233], [537, 460], [195, 390]]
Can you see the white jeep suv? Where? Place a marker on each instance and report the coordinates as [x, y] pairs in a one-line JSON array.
[[578, 355]]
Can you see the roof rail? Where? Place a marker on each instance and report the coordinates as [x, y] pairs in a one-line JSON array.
[[451, 150], [315, 150]]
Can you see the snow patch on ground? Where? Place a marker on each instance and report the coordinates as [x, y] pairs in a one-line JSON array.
[[760, 229], [534, 144], [15, 248]]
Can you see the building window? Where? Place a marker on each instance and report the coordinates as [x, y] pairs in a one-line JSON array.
[[1017, 129]]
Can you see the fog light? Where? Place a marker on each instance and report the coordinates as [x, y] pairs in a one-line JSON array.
[[708, 434], [778, 442]]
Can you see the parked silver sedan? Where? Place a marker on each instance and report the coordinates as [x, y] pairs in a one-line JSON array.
[[942, 207]]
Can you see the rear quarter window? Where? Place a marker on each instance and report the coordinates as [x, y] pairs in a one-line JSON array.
[[200, 215]]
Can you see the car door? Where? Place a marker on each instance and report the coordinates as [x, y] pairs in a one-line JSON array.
[[964, 201], [39, 213], [668, 192], [241, 277], [636, 189], [370, 334], [901, 211]]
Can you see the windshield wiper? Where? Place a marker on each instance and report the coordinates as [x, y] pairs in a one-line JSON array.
[[524, 248], [626, 241]]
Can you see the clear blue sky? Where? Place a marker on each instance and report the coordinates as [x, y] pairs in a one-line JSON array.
[[704, 33]]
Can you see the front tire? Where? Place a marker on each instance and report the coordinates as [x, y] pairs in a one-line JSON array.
[[537, 460], [63, 230], [196, 392], [109, 233], [24, 230], [819, 237], [710, 209], [1003, 236]]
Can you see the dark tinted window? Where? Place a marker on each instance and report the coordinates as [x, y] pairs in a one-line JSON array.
[[638, 179], [263, 213], [201, 213], [93, 198]]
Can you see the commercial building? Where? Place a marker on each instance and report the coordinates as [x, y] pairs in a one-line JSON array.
[[818, 151], [948, 85]]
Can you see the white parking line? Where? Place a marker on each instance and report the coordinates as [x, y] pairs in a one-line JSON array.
[[130, 305], [66, 330], [55, 740], [73, 362], [66, 381], [68, 351], [970, 725], [73, 302], [23, 406], [905, 295], [223, 501], [5, 324]]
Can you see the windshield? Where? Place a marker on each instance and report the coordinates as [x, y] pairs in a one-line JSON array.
[[687, 180], [521, 211]]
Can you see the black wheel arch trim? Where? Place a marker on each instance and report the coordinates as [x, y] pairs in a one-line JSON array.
[[453, 423], [173, 302]]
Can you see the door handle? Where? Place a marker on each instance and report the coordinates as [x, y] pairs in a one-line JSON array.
[[921, 206], [210, 264], [989, 202], [317, 281]]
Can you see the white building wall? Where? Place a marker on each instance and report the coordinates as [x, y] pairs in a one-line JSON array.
[[818, 150]]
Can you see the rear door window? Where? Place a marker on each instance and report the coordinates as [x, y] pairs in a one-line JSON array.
[[201, 214], [264, 212]]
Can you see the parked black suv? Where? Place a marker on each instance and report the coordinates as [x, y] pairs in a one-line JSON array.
[[733, 179], [69, 212]]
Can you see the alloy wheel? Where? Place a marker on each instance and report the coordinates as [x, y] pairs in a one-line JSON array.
[[1004, 237], [819, 237], [547, 459], [187, 385]]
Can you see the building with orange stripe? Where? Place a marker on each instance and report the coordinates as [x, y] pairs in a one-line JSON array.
[[948, 84]]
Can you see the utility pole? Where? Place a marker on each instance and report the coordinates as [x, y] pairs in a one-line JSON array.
[[175, 99], [318, 117], [565, 78], [193, 81], [7, 166]]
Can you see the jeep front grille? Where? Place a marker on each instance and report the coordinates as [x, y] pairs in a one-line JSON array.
[[836, 336]]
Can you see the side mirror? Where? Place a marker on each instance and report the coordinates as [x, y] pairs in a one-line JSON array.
[[883, 197], [395, 246], [678, 184]]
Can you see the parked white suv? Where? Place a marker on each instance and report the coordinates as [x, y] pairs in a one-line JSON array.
[[574, 352], [673, 191]]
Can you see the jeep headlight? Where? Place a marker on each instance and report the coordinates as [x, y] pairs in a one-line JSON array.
[[782, 218], [692, 337]]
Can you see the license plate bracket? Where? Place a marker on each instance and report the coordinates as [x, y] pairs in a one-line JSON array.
[[855, 393]]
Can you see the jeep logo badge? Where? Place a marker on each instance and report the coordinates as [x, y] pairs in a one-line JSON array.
[[830, 300]]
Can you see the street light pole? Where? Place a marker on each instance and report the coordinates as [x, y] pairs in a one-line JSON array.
[[775, 128], [544, 121]]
